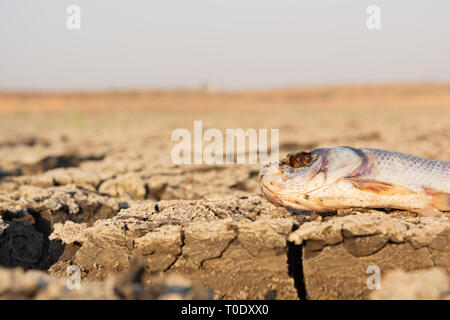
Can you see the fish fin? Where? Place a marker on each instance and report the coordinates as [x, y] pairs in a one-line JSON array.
[[439, 200], [378, 187]]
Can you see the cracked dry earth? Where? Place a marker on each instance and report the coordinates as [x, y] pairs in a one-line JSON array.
[[100, 192]]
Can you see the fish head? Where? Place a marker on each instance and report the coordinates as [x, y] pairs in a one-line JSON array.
[[289, 181]]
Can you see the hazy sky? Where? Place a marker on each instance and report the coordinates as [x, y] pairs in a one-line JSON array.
[[234, 44]]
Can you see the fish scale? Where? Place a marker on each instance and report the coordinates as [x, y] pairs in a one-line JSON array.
[[407, 170]]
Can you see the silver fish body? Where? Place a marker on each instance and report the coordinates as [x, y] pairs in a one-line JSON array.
[[330, 179]]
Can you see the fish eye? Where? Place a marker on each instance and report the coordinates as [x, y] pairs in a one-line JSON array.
[[294, 161], [301, 159], [305, 158]]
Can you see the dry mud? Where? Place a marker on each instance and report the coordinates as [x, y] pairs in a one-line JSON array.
[[99, 190]]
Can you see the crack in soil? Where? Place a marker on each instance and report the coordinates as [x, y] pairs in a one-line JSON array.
[[295, 266]]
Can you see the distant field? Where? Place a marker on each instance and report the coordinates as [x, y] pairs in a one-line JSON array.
[[405, 95]]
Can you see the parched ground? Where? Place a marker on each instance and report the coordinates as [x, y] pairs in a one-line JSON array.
[[87, 180]]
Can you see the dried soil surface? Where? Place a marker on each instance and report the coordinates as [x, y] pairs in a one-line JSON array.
[[98, 190]]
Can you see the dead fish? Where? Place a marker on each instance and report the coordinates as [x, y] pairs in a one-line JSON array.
[[330, 179]]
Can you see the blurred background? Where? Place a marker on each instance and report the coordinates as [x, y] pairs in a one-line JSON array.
[[130, 72]]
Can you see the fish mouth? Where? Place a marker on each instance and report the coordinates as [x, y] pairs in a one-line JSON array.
[[271, 196], [267, 175], [270, 169]]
